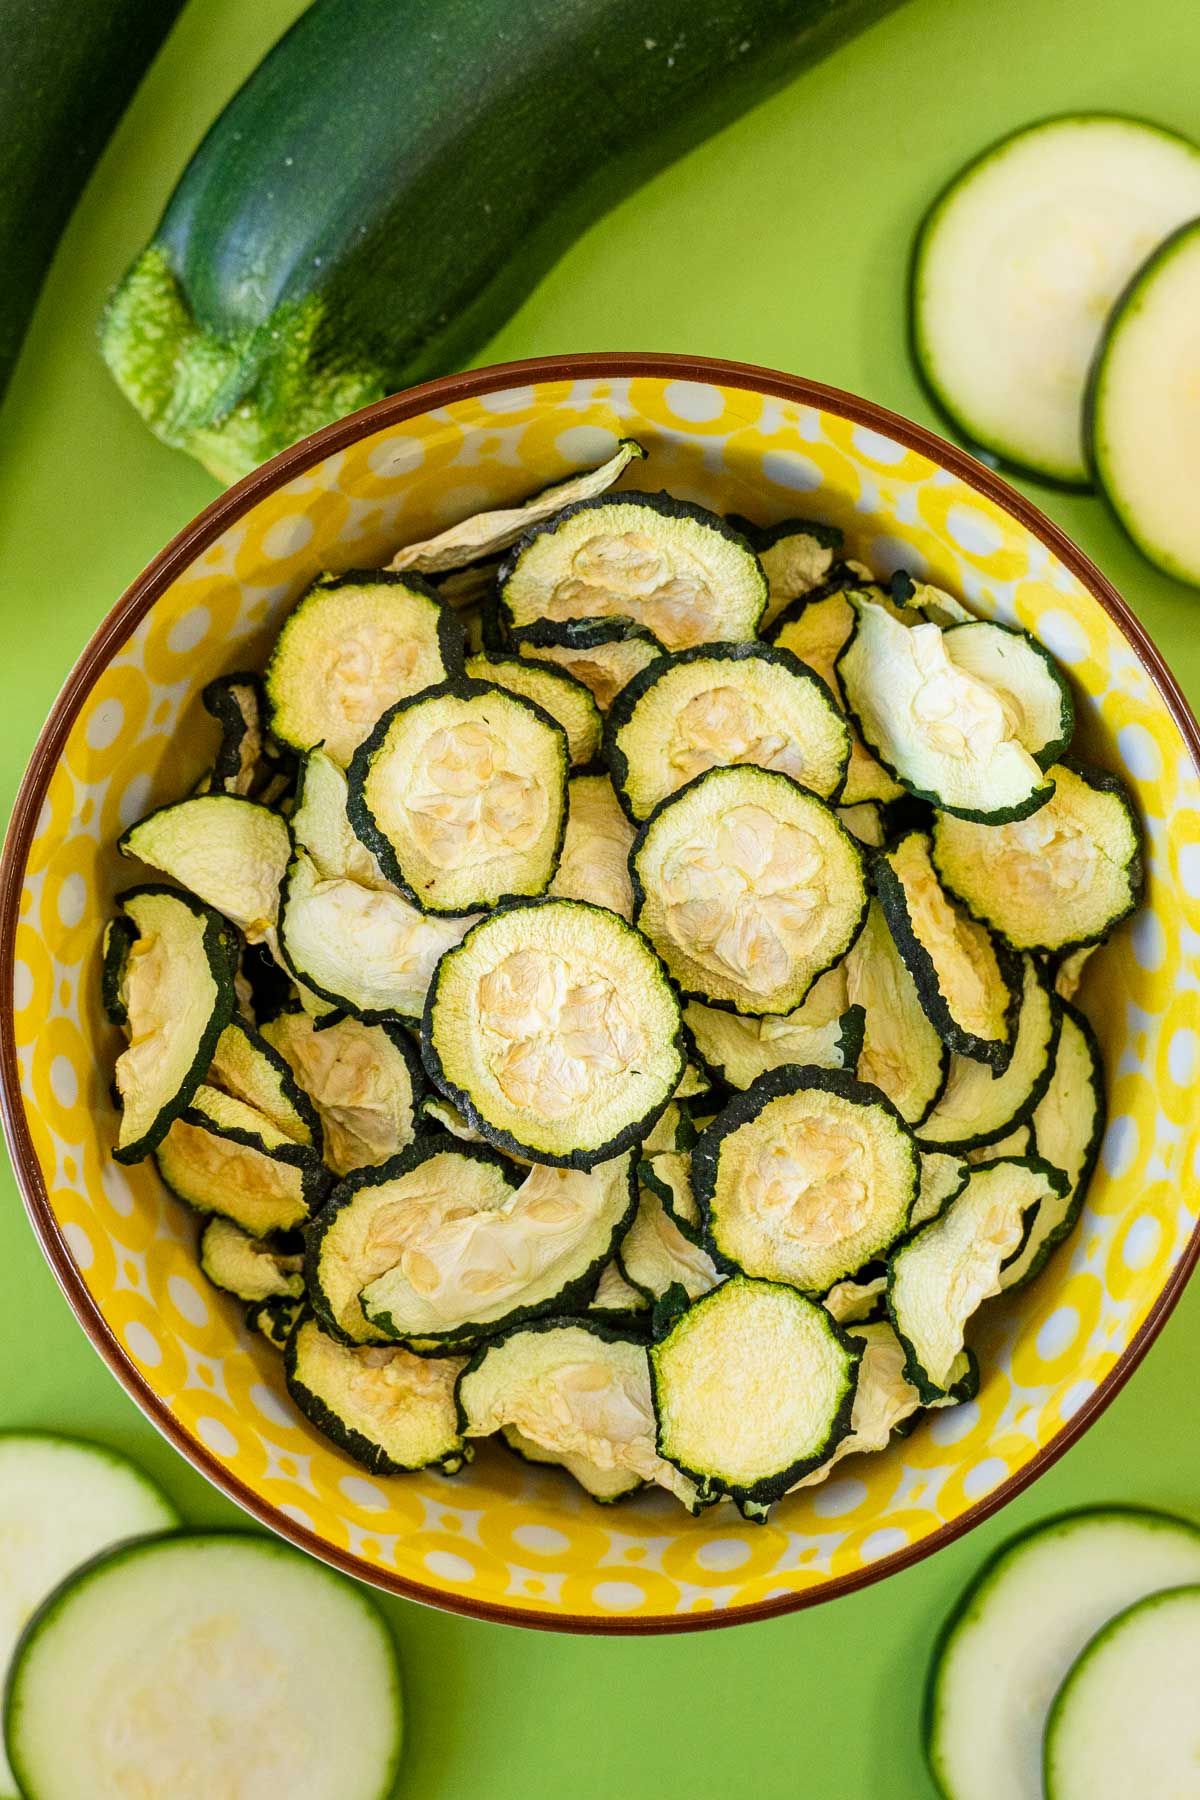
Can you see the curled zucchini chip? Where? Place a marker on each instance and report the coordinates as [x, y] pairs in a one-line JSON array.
[[605, 1486], [594, 864], [945, 735], [966, 980], [942, 1178], [556, 691], [321, 825], [666, 1169], [932, 602], [486, 534], [804, 1178], [555, 1031], [604, 654], [978, 1106], [1067, 1127], [363, 1081], [365, 951], [225, 1157], [247, 1065], [576, 1389], [460, 792], [749, 888], [864, 820], [1031, 686], [615, 1302], [240, 766], [946, 1269], [275, 1319], [883, 1398], [854, 1301], [723, 704], [375, 1218], [1062, 879], [1067, 971], [120, 935], [655, 1255], [1018, 1142], [725, 1426], [668, 565], [825, 1031], [249, 1268], [902, 1051], [388, 1409], [353, 646], [170, 965], [797, 556], [230, 853]]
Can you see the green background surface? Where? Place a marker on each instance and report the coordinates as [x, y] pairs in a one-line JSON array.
[[782, 241]]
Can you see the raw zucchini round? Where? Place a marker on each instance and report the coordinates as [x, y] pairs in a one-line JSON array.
[[594, 864], [604, 654], [1057, 881], [749, 887], [723, 704], [826, 1032], [804, 1178], [1027, 678], [353, 646], [387, 1407], [554, 1029], [231, 853], [460, 792], [673, 567], [901, 1051], [556, 691], [980, 1107]]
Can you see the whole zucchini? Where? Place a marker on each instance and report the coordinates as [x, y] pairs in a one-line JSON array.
[[394, 178]]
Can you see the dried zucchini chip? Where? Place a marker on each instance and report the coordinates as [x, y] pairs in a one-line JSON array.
[[363, 1080], [556, 691], [825, 1031], [249, 1268], [979, 1107], [864, 820], [321, 825], [615, 1302], [942, 1177], [248, 1065], [1067, 971], [275, 1319], [604, 654], [1029, 682], [883, 1399], [902, 1052], [388, 1409], [606, 1486], [236, 703], [230, 853], [224, 1157], [1018, 1142], [594, 864], [797, 556], [854, 1301], [655, 1255]]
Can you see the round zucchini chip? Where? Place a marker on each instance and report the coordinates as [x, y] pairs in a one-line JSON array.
[[594, 864], [460, 792], [978, 1106], [723, 704], [825, 1032], [390, 1410], [655, 1255], [352, 646], [555, 1031], [604, 654], [753, 1387], [902, 1051], [1026, 677], [749, 887], [250, 1269], [364, 1081], [671, 566], [1058, 881], [556, 691], [805, 1178]]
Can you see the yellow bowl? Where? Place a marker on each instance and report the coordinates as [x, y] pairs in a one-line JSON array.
[[504, 1540]]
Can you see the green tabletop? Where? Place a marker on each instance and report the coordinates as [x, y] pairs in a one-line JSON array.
[[782, 241]]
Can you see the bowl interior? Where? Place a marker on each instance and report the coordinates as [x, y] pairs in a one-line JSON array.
[[503, 1535]]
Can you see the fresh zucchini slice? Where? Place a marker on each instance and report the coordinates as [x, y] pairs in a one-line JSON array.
[[594, 864], [654, 1254], [723, 704], [275, 1319], [1067, 1127], [883, 1399], [390, 1410], [1019, 1142], [604, 1485], [979, 1107], [804, 1178], [944, 734], [460, 1273], [753, 1387], [354, 645], [556, 691], [321, 825], [577, 1389], [555, 1031], [460, 793], [749, 887], [797, 556], [947, 1268], [230, 853], [176, 991], [864, 820], [377, 1217], [671, 566], [236, 703], [363, 1080], [825, 1031], [1060, 880], [248, 1066], [486, 534], [855, 1301], [604, 654], [249, 1268], [901, 1052], [942, 1178], [362, 950], [1028, 680], [967, 982]]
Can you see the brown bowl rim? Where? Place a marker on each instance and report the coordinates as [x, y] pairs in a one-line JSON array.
[[137, 600]]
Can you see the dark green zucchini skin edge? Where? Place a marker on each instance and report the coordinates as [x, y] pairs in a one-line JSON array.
[[853, 1024], [1055, 749], [665, 505], [315, 1179], [744, 1108], [639, 890], [771, 1488], [980, 1140], [622, 708], [289, 1087], [571, 634], [356, 1445], [347, 1189], [218, 701], [274, 1318], [628, 1138], [764, 537], [1101, 781], [996, 1053], [661, 1190], [1005, 815], [980, 1583], [366, 1015], [958, 1392], [368, 831], [451, 637], [120, 935], [499, 658], [539, 1324], [221, 942], [840, 580], [208, 1220]]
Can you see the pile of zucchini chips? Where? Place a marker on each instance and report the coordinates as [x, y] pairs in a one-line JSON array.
[[614, 992]]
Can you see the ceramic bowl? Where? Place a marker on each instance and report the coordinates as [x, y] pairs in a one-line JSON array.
[[504, 1540]]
